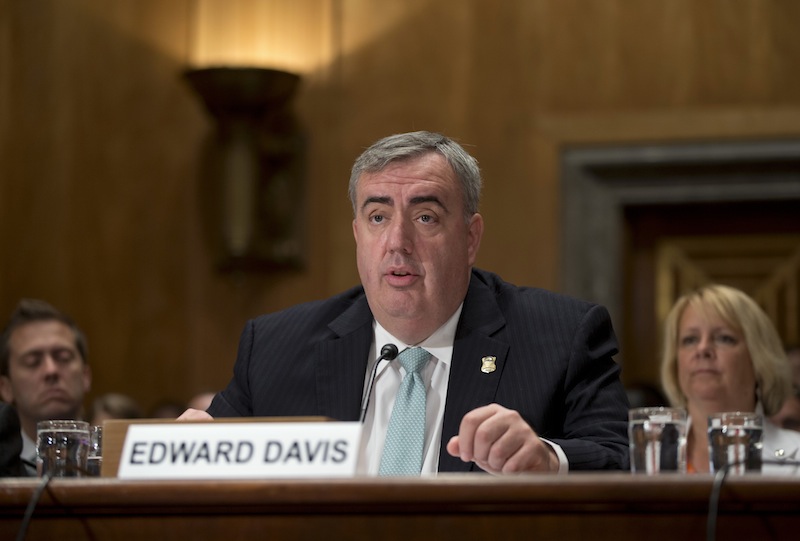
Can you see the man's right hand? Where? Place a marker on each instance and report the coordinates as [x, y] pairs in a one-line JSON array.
[[194, 415]]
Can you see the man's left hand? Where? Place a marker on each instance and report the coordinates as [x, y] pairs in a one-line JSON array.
[[499, 440]]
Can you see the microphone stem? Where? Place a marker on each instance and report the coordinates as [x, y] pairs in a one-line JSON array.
[[388, 353]]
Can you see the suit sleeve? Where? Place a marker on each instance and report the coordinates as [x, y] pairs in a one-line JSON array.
[[596, 408], [235, 400]]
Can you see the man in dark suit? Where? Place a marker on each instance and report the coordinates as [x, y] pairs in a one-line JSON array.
[[10, 443], [519, 379], [43, 369]]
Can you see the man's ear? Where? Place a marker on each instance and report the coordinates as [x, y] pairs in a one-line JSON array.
[[6, 393], [87, 378], [475, 234]]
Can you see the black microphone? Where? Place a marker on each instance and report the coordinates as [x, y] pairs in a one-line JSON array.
[[388, 353]]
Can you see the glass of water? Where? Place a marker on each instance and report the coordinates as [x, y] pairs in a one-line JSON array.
[[657, 438], [62, 448], [95, 461], [735, 441]]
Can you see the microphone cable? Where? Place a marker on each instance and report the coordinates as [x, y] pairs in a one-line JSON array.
[[716, 488], [37, 495], [26, 519]]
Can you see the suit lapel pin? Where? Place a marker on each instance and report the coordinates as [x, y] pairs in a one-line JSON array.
[[488, 364]]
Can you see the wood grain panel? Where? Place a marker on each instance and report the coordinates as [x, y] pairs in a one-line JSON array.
[[100, 142], [600, 506]]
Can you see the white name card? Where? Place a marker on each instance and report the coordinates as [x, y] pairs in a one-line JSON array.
[[240, 450]]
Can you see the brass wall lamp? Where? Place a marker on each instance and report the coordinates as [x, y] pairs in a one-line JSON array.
[[252, 167]]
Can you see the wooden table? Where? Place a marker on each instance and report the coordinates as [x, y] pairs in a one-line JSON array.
[[588, 507]]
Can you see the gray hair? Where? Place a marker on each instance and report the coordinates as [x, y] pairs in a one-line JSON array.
[[405, 146]]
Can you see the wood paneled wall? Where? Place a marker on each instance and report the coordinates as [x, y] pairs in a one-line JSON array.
[[100, 138]]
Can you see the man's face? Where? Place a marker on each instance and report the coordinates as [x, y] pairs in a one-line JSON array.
[[414, 247], [47, 377], [789, 415]]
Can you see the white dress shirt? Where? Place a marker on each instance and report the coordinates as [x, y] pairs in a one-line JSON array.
[[387, 380], [28, 453], [388, 377]]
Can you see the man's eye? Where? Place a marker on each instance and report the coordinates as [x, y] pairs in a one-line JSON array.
[[31, 361], [376, 218], [427, 219], [63, 355]]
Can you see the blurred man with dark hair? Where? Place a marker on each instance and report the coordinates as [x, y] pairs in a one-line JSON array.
[[114, 406], [789, 415], [43, 369]]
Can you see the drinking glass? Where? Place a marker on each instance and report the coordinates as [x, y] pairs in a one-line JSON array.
[[62, 448], [657, 437], [95, 460], [735, 441]]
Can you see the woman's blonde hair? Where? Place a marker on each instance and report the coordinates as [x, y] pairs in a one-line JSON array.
[[737, 309]]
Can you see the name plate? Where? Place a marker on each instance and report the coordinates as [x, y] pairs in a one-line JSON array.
[[240, 450]]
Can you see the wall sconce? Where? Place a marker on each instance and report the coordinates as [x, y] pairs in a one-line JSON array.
[[252, 172]]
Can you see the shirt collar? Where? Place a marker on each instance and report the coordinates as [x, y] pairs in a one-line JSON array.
[[28, 447], [439, 344]]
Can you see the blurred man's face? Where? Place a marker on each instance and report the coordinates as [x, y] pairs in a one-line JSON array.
[[47, 377], [789, 416]]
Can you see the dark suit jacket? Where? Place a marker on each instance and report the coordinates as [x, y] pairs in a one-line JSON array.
[[554, 366], [10, 442]]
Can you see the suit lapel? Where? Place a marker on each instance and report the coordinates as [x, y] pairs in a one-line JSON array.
[[472, 385], [342, 363]]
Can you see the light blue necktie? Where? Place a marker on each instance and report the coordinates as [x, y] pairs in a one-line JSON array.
[[405, 436]]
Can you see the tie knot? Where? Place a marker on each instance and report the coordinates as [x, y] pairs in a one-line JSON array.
[[413, 359]]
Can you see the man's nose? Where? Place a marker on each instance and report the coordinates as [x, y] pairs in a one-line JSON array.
[[399, 236], [49, 364]]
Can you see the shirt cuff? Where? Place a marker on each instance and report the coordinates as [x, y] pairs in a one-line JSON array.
[[563, 463]]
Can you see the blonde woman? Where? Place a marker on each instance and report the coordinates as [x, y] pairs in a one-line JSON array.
[[722, 353]]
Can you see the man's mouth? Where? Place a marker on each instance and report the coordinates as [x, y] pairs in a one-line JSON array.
[[56, 394], [400, 278]]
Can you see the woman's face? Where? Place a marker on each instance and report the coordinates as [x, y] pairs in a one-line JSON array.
[[714, 364]]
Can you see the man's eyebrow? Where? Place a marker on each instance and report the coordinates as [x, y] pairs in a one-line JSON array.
[[47, 349], [426, 199], [385, 200], [381, 200]]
